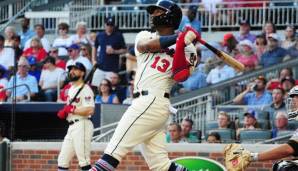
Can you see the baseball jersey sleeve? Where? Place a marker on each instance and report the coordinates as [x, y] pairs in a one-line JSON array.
[[87, 97], [143, 35], [293, 142]]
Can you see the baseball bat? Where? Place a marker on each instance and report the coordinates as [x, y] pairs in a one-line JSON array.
[[224, 56]]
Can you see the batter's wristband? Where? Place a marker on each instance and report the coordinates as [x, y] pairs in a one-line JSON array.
[[294, 145], [166, 41]]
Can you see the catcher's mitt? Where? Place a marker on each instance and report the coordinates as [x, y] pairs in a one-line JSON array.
[[236, 157]]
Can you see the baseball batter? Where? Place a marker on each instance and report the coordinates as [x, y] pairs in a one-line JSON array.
[[144, 121], [78, 138], [240, 162]]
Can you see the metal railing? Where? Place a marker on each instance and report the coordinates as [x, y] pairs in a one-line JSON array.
[[223, 15], [21, 85], [100, 136]]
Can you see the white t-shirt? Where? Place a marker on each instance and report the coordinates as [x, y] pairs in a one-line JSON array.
[[220, 74], [50, 78], [62, 44], [3, 82], [44, 41], [7, 57], [75, 39], [81, 59]]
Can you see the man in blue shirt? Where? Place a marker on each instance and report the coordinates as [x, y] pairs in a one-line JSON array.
[[244, 32], [255, 94], [108, 46], [26, 32], [275, 54], [196, 80], [190, 20], [23, 78]]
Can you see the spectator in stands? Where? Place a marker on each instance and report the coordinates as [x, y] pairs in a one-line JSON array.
[[108, 46], [276, 82], [224, 121], [274, 54], [40, 33], [220, 73], [2, 133], [255, 93], [23, 77], [26, 32], [290, 37], [247, 56], [35, 50], [63, 41], [195, 81], [186, 128], [261, 43], [249, 122], [174, 130], [117, 89], [229, 44], [74, 56], [287, 84], [244, 32], [269, 28], [293, 51], [35, 68], [59, 62], [92, 38], [105, 95], [86, 51], [50, 77], [131, 60], [17, 47], [3, 83], [213, 137], [6, 55], [10, 32], [281, 123], [277, 104], [129, 98], [81, 35], [190, 19]]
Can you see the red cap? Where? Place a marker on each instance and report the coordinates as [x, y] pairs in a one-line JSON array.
[[226, 37]]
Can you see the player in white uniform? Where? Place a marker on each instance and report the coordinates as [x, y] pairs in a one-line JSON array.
[[145, 120], [78, 138]]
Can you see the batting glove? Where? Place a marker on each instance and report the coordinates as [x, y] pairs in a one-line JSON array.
[[190, 35]]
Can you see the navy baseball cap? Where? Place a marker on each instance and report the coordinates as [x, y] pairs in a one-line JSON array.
[[243, 22], [77, 65], [110, 21], [74, 46], [251, 113]]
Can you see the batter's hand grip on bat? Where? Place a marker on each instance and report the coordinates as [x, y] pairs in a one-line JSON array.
[[224, 56]]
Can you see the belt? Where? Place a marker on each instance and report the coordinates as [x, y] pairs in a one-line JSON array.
[[76, 120], [145, 93]]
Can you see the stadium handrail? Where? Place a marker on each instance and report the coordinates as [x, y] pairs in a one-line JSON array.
[[20, 85]]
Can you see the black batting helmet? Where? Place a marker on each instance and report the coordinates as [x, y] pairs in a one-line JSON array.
[[172, 16]]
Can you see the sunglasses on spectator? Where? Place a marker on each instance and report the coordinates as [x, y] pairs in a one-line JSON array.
[[83, 49], [22, 66], [62, 29], [69, 50], [53, 51], [104, 84]]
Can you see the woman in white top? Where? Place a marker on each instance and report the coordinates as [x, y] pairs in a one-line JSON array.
[[290, 37], [10, 32], [81, 35], [63, 41]]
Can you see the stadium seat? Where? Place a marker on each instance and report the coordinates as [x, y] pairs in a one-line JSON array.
[[285, 132], [211, 125], [252, 136], [226, 135], [292, 125]]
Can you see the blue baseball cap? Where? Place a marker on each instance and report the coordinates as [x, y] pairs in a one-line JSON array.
[[31, 60], [250, 113], [110, 21], [74, 46], [77, 65]]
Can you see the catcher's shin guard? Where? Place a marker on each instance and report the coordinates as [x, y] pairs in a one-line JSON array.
[[285, 165], [177, 167]]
